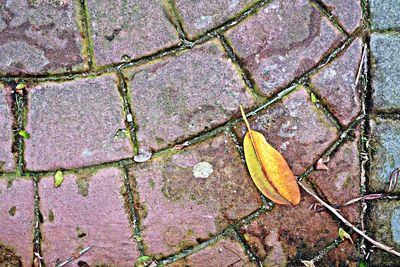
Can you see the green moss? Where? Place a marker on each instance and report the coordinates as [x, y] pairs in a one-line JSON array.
[[12, 210], [51, 216], [8, 257], [152, 183], [83, 186]]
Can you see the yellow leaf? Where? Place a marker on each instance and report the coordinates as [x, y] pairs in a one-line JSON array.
[[268, 169], [344, 235]]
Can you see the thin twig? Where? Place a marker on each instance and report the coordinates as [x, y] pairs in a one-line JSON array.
[[346, 222], [361, 64], [73, 257]]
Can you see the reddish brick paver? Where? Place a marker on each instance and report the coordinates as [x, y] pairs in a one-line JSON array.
[[286, 39], [106, 80], [296, 128], [39, 37], [6, 120], [185, 95], [91, 212], [16, 217], [130, 28], [188, 196], [75, 124], [337, 83]]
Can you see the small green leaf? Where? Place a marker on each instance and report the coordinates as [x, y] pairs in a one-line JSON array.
[[143, 259], [363, 263], [344, 235], [313, 98], [24, 134], [20, 86], [58, 178]]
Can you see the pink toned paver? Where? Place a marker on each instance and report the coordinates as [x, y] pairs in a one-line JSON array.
[[296, 128], [75, 124], [348, 12], [6, 156], [130, 29], [226, 252], [192, 194], [282, 42], [86, 210], [203, 15], [185, 95], [337, 83], [39, 37], [16, 217]]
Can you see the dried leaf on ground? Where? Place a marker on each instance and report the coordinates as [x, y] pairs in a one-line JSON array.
[[268, 169]]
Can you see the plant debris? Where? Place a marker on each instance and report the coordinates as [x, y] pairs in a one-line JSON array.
[[344, 235], [73, 257], [58, 178], [269, 169]]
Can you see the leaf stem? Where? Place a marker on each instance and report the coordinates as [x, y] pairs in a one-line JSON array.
[[346, 222]]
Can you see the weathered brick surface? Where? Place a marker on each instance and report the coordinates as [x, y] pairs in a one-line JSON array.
[[385, 71], [185, 95], [385, 153], [287, 235], [130, 28], [385, 14], [75, 124], [296, 128], [282, 42], [39, 36], [16, 217], [226, 252], [192, 194], [347, 12], [87, 209], [200, 16], [336, 83], [383, 224], [341, 182], [6, 156]]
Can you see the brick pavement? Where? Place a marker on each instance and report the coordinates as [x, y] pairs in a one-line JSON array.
[[104, 82]]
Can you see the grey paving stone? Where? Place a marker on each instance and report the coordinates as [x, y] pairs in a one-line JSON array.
[[336, 83], [16, 218], [348, 12], [184, 95], [39, 37], [383, 224], [87, 210], [385, 153], [130, 28], [6, 137], [283, 41], [202, 15], [180, 208], [385, 14], [75, 123], [386, 71]]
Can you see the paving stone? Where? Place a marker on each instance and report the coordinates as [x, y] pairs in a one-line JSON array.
[[282, 42], [6, 157], [75, 124], [385, 14], [130, 28], [87, 209], [341, 182], [383, 224], [385, 71], [346, 254], [286, 235], [226, 252], [185, 95], [39, 37], [385, 153], [296, 128], [347, 12], [203, 15], [179, 208], [336, 84], [16, 217]]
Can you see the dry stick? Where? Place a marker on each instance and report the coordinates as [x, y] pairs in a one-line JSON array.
[[346, 222], [361, 64]]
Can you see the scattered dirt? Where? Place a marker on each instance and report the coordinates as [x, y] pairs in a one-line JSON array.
[[8, 258]]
